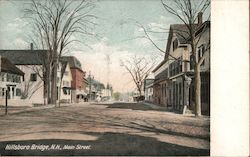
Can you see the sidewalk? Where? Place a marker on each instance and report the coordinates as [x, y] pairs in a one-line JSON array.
[[22, 109], [156, 107], [153, 106]]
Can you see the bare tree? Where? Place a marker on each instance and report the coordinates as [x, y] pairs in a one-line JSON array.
[[187, 11], [138, 68], [55, 24]]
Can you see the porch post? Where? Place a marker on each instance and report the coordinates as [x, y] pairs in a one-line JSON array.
[[187, 82], [6, 102]]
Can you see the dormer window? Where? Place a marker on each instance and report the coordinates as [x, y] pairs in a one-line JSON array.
[[175, 44]]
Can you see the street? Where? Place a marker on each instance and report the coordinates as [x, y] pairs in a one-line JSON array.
[[103, 129]]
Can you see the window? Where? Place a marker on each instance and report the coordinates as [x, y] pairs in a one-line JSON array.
[[165, 89], [191, 62], [201, 51], [167, 72], [18, 79], [64, 91], [33, 77], [2, 77], [66, 73], [175, 44], [175, 67], [18, 92], [180, 96], [8, 77], [13, 78], [170, 70], [3, 91], [205, 91], [180, 65], [162, 89], [65, 83]]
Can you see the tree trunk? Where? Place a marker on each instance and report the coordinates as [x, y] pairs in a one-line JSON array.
[[46, 82], [49, 84], [197, 91], [45, 93], [59, 92], [54, 82]]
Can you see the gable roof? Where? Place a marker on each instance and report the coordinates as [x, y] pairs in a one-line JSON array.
[[8, 67], [24, 57], [182, 36], [159, 65], [181, 32], [73, 62]]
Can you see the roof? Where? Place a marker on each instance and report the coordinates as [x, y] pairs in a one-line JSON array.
[[202, 27], [163, 74], [181, 32], [8, 67], [73, 62], [159, 65], [182, 35], [24, 57]]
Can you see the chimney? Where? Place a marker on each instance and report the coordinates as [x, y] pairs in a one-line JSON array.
[[200, 14], [31, 46]]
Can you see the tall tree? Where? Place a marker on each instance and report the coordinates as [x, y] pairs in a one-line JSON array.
[[187, 11], [55, 24], [139, 68]]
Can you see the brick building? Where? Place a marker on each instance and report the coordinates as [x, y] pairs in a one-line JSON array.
[[79, 82]]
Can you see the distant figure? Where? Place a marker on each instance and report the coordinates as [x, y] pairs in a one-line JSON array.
[[98, 98]]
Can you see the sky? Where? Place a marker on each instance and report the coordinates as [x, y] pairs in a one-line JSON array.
[[116, 28]]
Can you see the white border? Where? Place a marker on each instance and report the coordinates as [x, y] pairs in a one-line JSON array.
[[230, 78]]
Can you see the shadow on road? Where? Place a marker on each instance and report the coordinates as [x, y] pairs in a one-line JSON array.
[[107, 144], [133, 106]]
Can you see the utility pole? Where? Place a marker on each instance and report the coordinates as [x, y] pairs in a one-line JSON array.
[[108, 73], [6, 101], [90, 85]]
